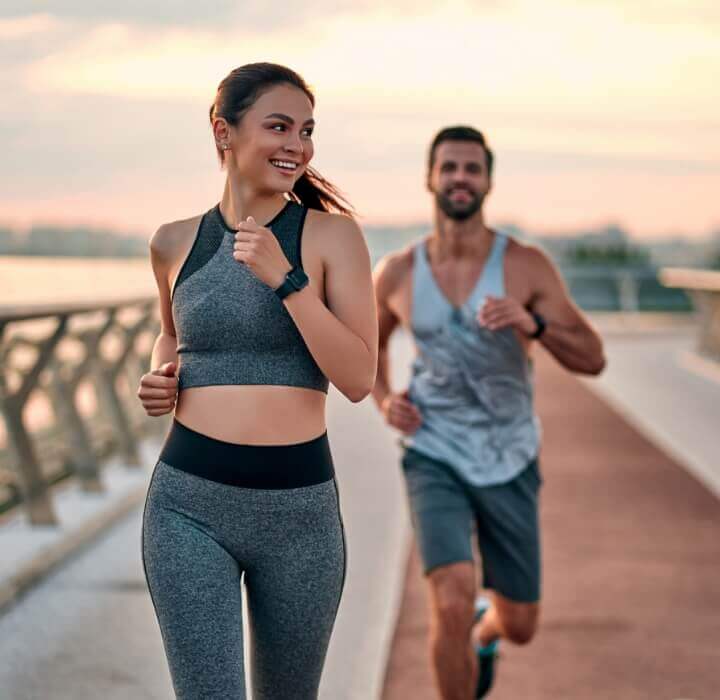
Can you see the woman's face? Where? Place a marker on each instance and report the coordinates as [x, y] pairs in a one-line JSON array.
[[272, 144]]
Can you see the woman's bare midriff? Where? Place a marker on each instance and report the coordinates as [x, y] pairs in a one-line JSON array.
[[253, 415]]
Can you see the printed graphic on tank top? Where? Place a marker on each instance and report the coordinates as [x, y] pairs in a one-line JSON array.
[[472, 386], [231, 327]]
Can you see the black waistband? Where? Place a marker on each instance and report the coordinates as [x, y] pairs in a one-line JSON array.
[[249, 466]]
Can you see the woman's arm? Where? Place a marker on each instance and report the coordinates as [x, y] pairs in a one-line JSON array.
[[342, 336], [161, 254], [158, 388]]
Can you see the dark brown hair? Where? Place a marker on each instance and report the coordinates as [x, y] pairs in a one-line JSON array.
[[460, 133], [239, 90]]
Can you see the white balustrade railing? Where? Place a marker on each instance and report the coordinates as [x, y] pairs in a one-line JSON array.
[[68, 380]]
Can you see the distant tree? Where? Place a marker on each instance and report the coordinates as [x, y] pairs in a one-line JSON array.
[[78, 242], [613, 254], [8, 241]]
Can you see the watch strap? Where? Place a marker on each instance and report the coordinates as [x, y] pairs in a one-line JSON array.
[[541, 325], [295, 280], [287, 287]]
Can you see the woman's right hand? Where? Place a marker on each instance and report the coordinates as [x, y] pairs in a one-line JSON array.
[[401, 413], [158, 390]]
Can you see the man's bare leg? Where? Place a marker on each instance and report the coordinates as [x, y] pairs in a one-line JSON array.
[[507, 619], [452, 596]]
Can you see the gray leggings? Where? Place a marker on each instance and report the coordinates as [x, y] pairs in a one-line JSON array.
[[199, 537]]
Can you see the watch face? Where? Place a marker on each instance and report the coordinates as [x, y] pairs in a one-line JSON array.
[[298, 278]]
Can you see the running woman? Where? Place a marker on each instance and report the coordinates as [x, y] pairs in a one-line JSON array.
[[265, 299], [474, 301]]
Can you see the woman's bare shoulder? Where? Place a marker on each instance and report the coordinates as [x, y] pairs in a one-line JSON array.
[[174, 239], [322, 223], [333, 235]]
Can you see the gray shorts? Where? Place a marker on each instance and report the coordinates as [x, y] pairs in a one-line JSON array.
[[445, 509]]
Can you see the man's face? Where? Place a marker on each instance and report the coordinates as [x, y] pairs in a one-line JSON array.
[[459, 178]]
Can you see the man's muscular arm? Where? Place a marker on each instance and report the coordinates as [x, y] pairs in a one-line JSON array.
[[397, 409], [568, 335]]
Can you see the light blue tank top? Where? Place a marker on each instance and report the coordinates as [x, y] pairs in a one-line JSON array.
[[473, 386]]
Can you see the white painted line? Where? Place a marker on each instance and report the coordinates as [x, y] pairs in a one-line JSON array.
[[705, 473], [699, 365]]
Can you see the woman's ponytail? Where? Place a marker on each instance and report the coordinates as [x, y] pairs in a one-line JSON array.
[[315, 192]]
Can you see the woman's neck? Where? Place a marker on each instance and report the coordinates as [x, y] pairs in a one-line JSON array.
[[238, 202]]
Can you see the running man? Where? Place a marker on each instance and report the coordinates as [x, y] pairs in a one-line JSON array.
[[474, 301]]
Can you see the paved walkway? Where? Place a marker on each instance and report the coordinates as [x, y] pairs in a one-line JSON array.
[[658, 383], [88, 630], [632, 564]]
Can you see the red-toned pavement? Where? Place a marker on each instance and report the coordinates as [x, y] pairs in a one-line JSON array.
[[631, 580]]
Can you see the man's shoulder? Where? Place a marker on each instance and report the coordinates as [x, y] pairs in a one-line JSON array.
[[527, 255], [394, 269]]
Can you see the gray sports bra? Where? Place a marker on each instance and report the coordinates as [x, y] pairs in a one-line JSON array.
[[231, 327]]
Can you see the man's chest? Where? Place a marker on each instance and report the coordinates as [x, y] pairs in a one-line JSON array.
[[455, 287]]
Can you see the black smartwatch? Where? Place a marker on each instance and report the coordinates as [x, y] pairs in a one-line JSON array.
[[541, 324], [295, 280]]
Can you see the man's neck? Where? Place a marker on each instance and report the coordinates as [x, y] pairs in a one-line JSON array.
[[459, 239]]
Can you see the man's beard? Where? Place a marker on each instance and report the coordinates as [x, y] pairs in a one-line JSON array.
[[459, 212]]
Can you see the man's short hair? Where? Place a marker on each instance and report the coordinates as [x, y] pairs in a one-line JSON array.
[[460, 133]]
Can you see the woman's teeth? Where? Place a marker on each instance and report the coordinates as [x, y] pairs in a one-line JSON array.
[[284, 165]]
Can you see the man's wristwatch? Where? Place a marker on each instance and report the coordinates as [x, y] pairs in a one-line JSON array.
[[295, 280], [541, 324]]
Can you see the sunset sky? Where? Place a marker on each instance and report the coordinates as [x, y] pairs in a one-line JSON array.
[[598, 110]]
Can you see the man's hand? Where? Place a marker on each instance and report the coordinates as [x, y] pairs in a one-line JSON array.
[[401, 413], [498, 313], [158, 390]]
